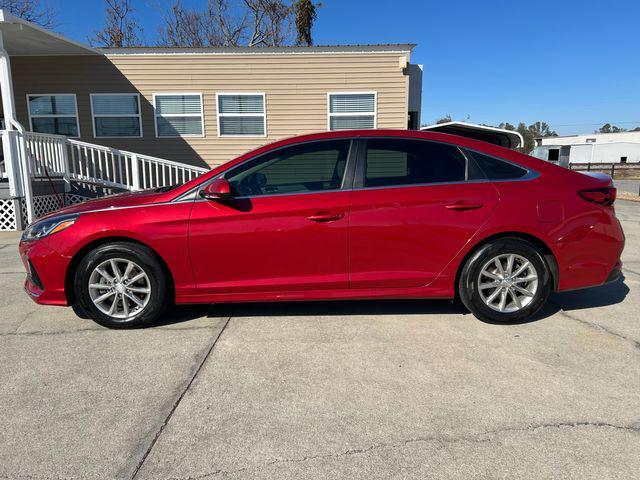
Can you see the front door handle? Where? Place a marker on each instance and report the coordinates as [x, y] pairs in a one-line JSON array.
[[325, 216], [461, 206]]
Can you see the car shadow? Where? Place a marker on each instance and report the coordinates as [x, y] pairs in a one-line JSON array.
[[601, 296]]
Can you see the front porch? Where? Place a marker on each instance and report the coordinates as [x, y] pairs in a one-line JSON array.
[[42, 172], [62, 171]]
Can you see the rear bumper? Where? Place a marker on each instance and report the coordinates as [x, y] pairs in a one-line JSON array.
[[45, 270], [615, 274], [589, 255]]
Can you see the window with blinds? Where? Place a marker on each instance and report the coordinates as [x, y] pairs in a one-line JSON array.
[[56, 114], [116, 115], [179, 115], [241, 114], [352, 111]]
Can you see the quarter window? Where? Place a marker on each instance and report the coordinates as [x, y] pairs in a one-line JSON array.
[[496, 169], [241, 114], [56, 114], [312, 167], [116, 115], [348, 111], [179, 115], [405, 162]]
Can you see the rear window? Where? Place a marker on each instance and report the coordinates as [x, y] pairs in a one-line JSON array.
[[496, 169]]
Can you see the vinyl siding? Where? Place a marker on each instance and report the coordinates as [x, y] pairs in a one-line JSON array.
[[295, 85]]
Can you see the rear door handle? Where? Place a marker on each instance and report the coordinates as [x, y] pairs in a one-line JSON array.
[[460, 206], [325, 216]]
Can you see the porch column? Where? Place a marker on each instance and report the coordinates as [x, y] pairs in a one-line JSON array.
[[11, 122]]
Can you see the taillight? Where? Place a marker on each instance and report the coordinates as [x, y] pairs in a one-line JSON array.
[[600, 196]]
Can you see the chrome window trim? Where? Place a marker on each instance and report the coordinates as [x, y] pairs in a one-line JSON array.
[[530, 174]]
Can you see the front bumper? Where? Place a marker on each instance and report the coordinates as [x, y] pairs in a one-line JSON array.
[[46, 269]]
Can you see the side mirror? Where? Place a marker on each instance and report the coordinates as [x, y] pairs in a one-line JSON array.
[[219, 189]]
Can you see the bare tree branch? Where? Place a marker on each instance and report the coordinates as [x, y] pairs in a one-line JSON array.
[[31, 11], [232, 23], [122, 29]]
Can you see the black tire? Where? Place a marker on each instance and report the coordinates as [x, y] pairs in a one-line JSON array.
[[470, 278], [146, 260]]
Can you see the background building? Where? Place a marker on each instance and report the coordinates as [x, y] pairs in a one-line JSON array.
[[622, 147]]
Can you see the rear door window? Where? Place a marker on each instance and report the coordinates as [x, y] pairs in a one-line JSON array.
[[392, 162]]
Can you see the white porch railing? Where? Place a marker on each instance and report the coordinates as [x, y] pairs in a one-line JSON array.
[[122, 169], [55, 155]]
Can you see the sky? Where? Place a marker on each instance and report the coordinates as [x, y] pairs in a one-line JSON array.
[[574, 64]]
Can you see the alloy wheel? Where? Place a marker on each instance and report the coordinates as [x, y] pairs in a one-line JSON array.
[[508, 283], [119, 288]]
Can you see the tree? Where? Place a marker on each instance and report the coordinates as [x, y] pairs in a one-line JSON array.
[[527, 137], [230, 23], [608, 128], [31, 11], [445, 119], [306, 13], [122, 29], [542, 129], [507, 126]]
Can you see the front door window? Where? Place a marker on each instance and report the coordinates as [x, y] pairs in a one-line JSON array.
[[313, 167]]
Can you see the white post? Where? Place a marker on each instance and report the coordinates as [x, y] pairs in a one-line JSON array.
[[135, 172], [64, 146], [9, 109], [10, 152]]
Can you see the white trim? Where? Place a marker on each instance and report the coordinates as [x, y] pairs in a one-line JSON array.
[[354, 114], [122, 115], [288, 50], [76, 116], [201, 114], [263, 114]]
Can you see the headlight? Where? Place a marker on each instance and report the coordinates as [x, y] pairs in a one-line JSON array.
[[49, 226]]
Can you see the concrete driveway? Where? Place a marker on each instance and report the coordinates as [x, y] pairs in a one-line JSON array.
[[337, 390]]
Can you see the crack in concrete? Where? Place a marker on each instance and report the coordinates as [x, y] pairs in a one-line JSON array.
[[98, 329], [443, 440], [178, 400], [600, 328], [24, 319]]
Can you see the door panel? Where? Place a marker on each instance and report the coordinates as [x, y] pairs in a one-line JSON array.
[[271, 243], [412, 212], [404, 237]]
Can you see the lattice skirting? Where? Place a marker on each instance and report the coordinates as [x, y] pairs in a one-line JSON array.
[[42, 205], [7, 215]]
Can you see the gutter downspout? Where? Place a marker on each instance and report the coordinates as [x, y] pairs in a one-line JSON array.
[[8, 105]]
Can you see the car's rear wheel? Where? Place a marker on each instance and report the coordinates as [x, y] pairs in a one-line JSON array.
[[121, 285], [507, 280]]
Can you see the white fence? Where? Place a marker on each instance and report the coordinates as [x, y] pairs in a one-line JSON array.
[[55, 155]]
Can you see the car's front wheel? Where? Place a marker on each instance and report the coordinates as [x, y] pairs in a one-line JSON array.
[[507, 280], [121, 285]]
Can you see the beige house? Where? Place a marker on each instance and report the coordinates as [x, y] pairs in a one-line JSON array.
[[180, 107], [210, 105]]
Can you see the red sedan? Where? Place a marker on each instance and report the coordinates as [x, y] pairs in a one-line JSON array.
[[340, 215]]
